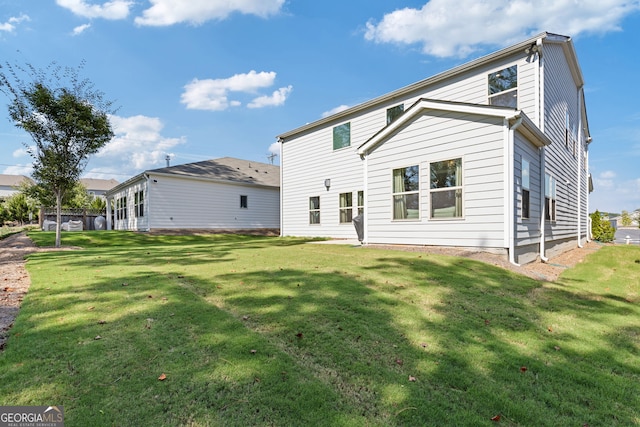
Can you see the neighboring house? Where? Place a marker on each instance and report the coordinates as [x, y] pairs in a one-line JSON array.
[[98, 187], [492, 154], [9, 184], [221, 194]]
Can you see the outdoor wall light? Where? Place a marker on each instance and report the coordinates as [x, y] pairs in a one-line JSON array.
[[155, 180], [327, 183]]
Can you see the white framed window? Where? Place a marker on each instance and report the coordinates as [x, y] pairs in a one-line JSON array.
[[138, 205], [549, 197], [360, 202], [446, 189], [503, 87], [342, 136], [121, 208], [244, 202], [526, 170], [394, 112], [346, 207], [314, 210], [406, 193]]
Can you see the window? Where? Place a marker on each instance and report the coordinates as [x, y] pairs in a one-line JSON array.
[[342, 136], [121, 208], [446, 189], [406, 193], [394, 112], [244, 202], [549, 197], [503, 87], [525, 188], [346, 207], [139, 204], [360, 202], [566, 129], [314, 210]]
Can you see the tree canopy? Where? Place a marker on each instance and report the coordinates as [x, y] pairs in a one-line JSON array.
[[67, 118]]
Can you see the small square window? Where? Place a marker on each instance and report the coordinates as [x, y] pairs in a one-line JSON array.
[[342, 136], [394, 112], [244, 203], [503, 87]]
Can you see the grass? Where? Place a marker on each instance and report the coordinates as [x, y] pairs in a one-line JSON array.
[[274, 331]]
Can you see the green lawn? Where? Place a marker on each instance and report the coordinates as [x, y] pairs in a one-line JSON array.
[[273, 331]]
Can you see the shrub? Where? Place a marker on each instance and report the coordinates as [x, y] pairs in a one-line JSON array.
[[601, 231]]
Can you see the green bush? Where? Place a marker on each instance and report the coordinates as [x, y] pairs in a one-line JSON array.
[[602, 231]]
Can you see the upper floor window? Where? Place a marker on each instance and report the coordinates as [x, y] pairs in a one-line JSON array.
[[394, 112], [406, 193], [503, 87], [446, 189], [342, 136]]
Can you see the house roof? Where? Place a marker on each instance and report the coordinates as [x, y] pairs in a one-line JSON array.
[[98, 184], [225, 169], [13, 180], [528, 127], [544, 37]]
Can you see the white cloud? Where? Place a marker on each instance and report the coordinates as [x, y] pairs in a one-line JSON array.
[[138, 145], [444, 28], [277, 98], [19, 170], [22, 152], [335, 110], [169, 12], [275, 148], [213, 94], [114, 9], [80, 29], [10, 25]]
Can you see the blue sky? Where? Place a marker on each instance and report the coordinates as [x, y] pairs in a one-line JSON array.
[[202, 79]]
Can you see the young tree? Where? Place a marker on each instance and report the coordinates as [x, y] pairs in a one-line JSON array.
[[67, 119], [626, 219]]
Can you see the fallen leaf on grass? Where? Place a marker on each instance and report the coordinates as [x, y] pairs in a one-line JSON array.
[[253, 351], [523, 369], [550, 329], [496, 418], [412, 378], [90, 308], [101, 322], [399, 362], [299, 335], [556, 348], [487, 321], [162, 377], [97, 337], [245, 317]]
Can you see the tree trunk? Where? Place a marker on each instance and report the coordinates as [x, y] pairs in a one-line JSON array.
[[58, 217]]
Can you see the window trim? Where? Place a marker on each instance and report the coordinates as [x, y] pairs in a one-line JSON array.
[[395, 108], [459, 188], [550, 200], [405, 193], [335, 133], [526, 201], [491, 96], [313, 211], [346, 209]]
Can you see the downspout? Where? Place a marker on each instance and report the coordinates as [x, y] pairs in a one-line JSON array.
[[579, 154], [510, 187], [109, 224], [543, 258], [586, 160], [540, 105], [365, 188], [281, 143], [148, 202]]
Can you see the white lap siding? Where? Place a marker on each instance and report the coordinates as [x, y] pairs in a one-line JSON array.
[[437, 136]]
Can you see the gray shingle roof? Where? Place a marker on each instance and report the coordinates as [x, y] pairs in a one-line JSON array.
[[228, 169]]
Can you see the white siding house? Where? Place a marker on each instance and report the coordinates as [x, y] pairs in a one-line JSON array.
[[220, 194], [492, 154], [9, 184]]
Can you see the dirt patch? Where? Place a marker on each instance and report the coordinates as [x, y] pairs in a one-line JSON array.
[[546, 271]]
